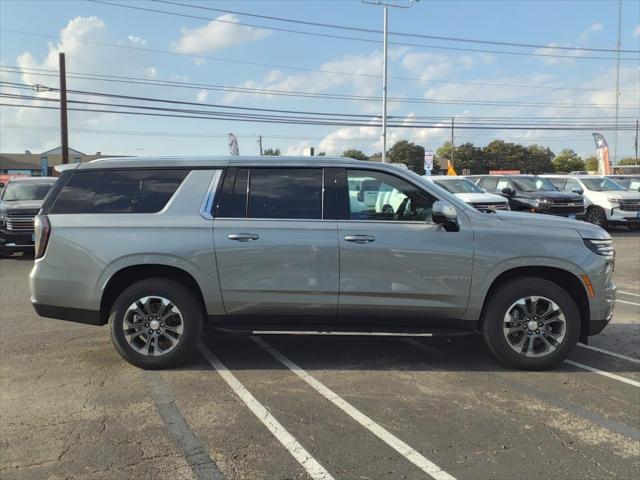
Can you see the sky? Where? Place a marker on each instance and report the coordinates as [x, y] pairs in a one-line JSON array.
[[432, 78]]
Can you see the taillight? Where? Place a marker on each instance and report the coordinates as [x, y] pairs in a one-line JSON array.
[[42, 229]]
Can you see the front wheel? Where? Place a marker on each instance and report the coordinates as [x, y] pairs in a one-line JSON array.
[[531, 324], [156, 323], [597, 217]]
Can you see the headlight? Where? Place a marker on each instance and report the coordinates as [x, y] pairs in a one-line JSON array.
[[601, 247], [613, 201]]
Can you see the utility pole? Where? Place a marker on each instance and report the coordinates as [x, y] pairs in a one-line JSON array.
[[64, 133], [453, 148], [635, 143], [618, 47], [260, 143], [386, 4]]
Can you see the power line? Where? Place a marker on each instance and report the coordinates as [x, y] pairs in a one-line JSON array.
[[402, 34], [357, 39], [265, 91], [301, 120]]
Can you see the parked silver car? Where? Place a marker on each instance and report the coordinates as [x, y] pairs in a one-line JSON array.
[[156, 247]]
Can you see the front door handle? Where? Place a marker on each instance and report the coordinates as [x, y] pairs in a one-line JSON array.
[[243, 237], [360, 238]]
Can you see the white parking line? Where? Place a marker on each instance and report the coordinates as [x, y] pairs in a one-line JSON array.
[[313, 468], [629, 293], [608, 352], [628, 303], [603, 373], [394, 442]]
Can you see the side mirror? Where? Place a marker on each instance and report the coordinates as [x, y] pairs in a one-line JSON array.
[[445, 214], [507, 191], [577, 190]]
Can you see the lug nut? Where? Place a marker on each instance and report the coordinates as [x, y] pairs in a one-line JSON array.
[[528, 332], [150, 331], [146, 324], [539, 324], [537, 331]]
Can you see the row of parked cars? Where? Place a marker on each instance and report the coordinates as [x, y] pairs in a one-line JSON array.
[[603, 201]]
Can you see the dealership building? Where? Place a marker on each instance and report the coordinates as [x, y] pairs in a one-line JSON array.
[[40, 164]]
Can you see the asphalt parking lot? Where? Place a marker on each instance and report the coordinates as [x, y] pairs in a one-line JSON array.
[[315, 407]]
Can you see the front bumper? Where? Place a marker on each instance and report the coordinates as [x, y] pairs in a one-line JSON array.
[[615, 216], [15, 240], [596, 326]]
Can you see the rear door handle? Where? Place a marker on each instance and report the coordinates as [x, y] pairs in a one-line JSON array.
[[360, 238], [243, 237]]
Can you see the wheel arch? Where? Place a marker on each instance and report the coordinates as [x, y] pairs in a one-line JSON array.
[[129, 275], [563, 278]]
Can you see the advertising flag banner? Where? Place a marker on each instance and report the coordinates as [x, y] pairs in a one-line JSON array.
[[428, 161], [604, 164], [450, 170], [233, 145]]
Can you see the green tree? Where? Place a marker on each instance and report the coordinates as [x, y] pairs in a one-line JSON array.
[[591, 163], [567, 161], [355, 154], [465, 157], [272, 152], [410, 154], [627, 161], [538, 159], [321, 154]]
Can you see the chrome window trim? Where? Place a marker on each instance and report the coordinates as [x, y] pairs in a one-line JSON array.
[[207, 202]]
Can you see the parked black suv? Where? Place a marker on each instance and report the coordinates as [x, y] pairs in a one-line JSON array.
[[530, 193], [20, 202]]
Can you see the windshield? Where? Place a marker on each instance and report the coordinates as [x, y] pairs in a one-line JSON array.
[[601, 184], [530, 184], [458, 185], [19, 191]]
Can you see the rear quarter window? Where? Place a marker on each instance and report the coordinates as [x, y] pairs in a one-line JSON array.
[[117, 191]]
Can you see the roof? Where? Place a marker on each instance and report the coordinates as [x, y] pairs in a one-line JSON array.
[[218, 162], [33, 179], [58, 151]]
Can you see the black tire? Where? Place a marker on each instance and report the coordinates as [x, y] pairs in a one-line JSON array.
[[192, 320], [500, 302], [596, 216]]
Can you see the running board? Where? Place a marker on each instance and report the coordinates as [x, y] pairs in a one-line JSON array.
[[349, 333]]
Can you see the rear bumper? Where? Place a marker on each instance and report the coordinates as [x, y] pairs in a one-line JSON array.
[[76, 315]]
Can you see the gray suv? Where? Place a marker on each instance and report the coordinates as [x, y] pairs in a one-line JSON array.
[[158, 247]]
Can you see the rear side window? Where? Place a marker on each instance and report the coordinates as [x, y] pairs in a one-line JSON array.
[[118, 191], [273, 193]]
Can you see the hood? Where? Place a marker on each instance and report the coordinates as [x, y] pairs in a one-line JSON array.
[[542, 222], [21, 205], [567, 196], [481, 198], [622, 194]]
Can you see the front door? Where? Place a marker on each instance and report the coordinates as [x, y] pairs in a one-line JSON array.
[[276, 242], [394, 261]]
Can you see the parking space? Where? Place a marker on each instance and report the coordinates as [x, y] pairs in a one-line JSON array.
[[278, 407]]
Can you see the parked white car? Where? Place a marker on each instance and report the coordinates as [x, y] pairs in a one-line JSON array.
[[470, 193], [606, 201]]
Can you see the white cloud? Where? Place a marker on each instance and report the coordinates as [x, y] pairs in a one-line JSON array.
[[557, 59], [636, 32], [298, 148], [151, 72], [217, 34], [80, 57], [202, 96], [136, 40], [590, 30]]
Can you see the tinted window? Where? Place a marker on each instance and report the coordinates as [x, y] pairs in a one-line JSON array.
[[572, 183], [380, 196], [533, 184], [285, 193], [490, 184], [118, 191], [233, 198]]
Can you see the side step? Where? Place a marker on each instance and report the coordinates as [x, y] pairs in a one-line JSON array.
[[410, 332]]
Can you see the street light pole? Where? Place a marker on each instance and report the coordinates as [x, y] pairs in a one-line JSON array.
[[384, 86], [386, 4]]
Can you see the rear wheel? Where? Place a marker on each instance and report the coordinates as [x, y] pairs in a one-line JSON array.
[[531, 323], [597, 216], [156, 323]]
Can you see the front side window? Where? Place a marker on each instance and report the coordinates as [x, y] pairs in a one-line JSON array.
[[490, 184], [294, 193], [380, 196], [118, 191], [458, 185], [531, 184], [558, 182], [21, 191]]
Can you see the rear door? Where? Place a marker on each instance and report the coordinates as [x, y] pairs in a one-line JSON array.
[[275, 235], [394, 261]]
